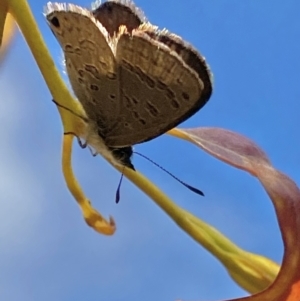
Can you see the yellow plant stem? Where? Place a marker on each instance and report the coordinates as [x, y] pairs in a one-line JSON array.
[[247, 270]]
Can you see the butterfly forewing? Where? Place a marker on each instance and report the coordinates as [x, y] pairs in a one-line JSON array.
[[90, 64]]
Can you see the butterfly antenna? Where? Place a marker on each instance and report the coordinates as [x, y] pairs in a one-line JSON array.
[[118, 189], [194, 189], [63, 107]]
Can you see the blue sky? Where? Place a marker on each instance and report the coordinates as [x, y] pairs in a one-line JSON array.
[[48, 253]]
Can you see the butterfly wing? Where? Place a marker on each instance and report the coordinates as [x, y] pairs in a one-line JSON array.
[[90, 63], [191, 57], [158, 89], [114, 13]]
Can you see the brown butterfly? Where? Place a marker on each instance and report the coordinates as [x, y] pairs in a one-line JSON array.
[[134, 81]]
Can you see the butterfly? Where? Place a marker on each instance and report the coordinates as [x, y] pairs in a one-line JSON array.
[[134, 81]]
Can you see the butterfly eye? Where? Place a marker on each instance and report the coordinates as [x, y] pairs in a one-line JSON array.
[[54, 21]]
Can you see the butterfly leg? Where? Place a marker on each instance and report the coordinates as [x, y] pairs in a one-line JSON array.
[[81, 144]]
